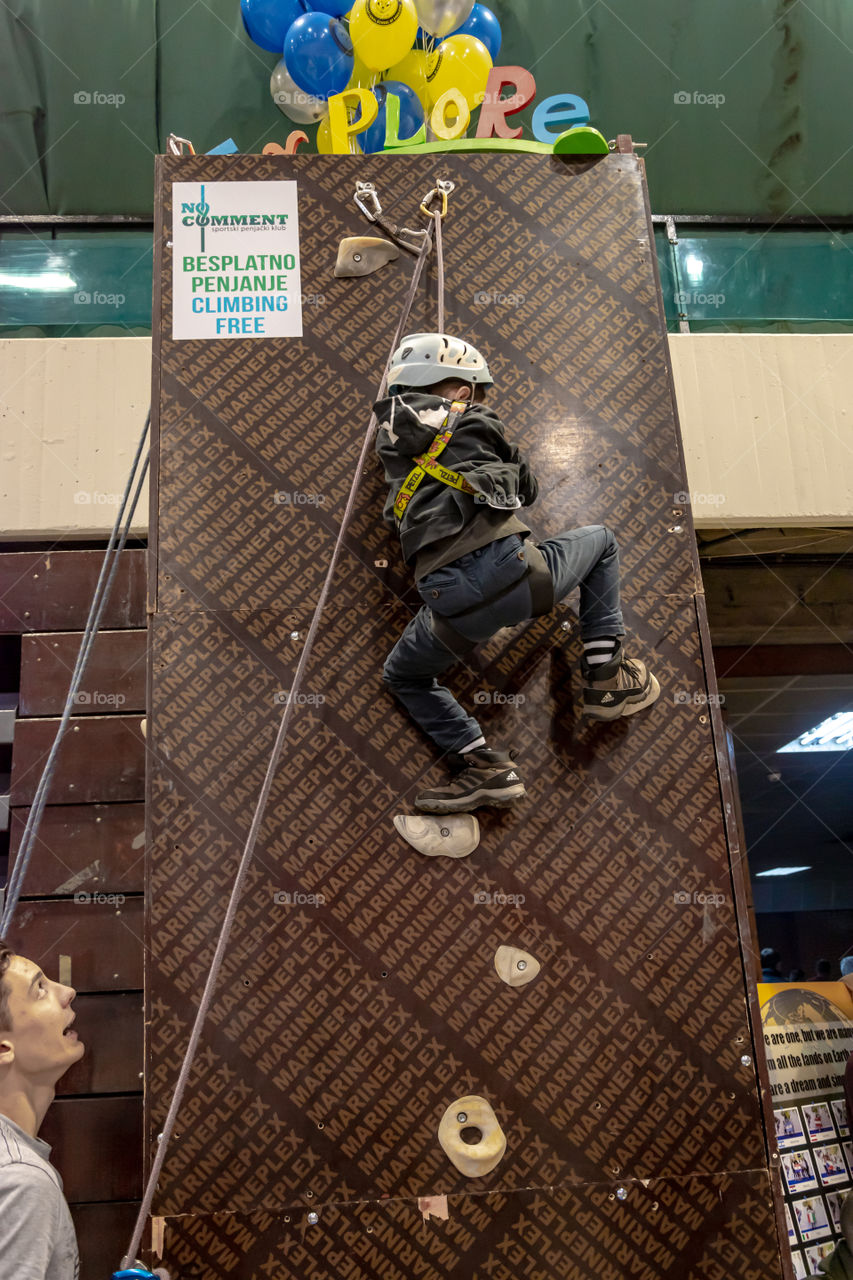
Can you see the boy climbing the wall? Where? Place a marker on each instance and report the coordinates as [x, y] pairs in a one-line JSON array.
[[456, 487]]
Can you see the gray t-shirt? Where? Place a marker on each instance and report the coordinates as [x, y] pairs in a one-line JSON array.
[[37, 1240]]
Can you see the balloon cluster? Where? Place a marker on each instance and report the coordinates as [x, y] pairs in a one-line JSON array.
[[434, 56]]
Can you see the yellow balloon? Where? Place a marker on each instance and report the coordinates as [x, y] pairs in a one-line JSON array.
[[324, 140], [460, 62], [362, 77], [412, 70], [382, 31]]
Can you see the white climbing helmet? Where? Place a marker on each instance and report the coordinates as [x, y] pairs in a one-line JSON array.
[[423, 359]]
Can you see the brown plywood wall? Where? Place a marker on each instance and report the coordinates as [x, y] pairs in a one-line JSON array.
[[344, 1026]]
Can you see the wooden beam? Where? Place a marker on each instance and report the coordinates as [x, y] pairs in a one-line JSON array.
[[53, 590], [113, 681], [773, 603]]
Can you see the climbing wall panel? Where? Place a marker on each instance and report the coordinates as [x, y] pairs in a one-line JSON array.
[[359, 996]]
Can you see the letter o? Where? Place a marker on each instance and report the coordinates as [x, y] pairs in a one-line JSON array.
[[438, 116]]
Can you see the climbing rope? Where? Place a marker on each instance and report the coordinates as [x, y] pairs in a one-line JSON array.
[[207, 994], [106, 578], [440, 192]]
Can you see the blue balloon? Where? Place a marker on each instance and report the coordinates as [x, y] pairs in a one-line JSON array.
[[483, 24], [411, 114], [267, 21], [337, 8], [318, 54]]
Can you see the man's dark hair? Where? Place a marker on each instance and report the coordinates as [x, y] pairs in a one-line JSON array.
[[6, 954], [769, 958]]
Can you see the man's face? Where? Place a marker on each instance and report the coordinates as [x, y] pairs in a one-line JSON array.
[[39, 1043]]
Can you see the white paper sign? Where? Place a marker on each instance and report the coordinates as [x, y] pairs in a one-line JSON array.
[[235, 260]]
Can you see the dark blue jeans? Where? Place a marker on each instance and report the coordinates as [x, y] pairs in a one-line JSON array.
[[587, 558]]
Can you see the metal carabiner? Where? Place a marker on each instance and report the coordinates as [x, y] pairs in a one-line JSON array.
[[367, 191], [175, 146], [440, 191], [365, 195]]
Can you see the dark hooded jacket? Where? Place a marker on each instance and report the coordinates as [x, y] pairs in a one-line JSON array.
[[441, 523], [838, 1266]]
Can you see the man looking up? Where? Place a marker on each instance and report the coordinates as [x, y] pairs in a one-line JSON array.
[[37, 1046]]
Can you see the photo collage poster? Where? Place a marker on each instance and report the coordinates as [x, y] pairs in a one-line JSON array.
[[808, 1037]]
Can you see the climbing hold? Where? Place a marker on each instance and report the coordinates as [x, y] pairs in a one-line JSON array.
[[476, 1144], [362, 255], [582, 140], [515, 967], [452, 835]]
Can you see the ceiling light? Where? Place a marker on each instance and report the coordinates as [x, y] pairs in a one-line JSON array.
[[44, 281], [695, 267], [782, 871], [834, 734]]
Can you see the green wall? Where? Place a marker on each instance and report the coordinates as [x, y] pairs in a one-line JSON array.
[[777, 145]]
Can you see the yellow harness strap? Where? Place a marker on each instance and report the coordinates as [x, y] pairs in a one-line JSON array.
[[428, 466]]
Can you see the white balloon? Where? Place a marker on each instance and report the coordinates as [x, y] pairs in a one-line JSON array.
[[295, 103], [440, 17]]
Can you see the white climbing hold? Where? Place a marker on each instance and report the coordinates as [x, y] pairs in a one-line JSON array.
[[473, 1159], [451, 835], [516, 967]]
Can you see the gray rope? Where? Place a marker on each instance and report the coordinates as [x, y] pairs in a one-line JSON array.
[[102, 590], [249, 849], [439, 268]]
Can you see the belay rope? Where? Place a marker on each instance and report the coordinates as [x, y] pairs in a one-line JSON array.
[[439, 192]]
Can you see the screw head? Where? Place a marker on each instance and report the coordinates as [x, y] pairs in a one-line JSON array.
[[462, 1116], [521, 964], [566, 626], [746, 1060], [445, 831], [621, 1193], [294, 635], [313, 1218]]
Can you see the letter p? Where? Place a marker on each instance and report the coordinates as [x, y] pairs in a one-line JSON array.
[[341, 125]]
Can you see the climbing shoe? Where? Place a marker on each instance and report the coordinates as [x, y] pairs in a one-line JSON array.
[[482, 777], [617, 688]]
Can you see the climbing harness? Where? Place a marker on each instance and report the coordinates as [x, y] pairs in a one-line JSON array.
[[541, 585], [536, 571], [426, 464], [207, 994]]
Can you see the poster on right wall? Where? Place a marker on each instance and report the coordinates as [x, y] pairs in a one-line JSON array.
[[808, 1037]]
